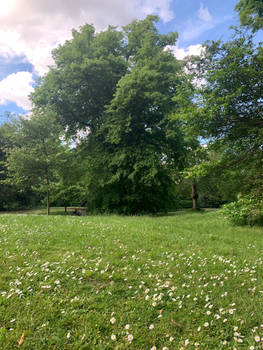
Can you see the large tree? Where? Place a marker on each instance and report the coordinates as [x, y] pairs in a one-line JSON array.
[[119, 86]]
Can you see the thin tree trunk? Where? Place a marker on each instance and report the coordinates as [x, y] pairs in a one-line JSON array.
[[194, 196], [48, 203]]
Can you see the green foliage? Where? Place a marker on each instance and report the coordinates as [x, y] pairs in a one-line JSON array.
[[87, 69], [37, 154], [250, 13], [68, 195], [225, 93], [11, 196], [119, 87], [247, 210]]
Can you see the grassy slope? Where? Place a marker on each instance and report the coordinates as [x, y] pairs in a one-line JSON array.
[[192, 276]]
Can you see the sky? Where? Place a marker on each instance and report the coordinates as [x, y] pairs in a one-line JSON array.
[[30, 29]]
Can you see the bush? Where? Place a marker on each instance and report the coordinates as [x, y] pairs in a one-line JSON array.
[[186, 203], [247, 210]]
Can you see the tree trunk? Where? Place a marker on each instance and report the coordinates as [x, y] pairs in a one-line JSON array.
[[194, 196], [48, 203]]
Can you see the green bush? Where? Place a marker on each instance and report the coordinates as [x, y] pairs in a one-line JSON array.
[[247, 210], [186, 203]]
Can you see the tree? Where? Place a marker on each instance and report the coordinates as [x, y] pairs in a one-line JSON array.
[[250, 13], [120, 86], [37, 154], [8, 194], [228, 109], [84, 78]]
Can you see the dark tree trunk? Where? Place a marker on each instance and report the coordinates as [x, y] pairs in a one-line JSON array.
[[48, 203], [194, 196]]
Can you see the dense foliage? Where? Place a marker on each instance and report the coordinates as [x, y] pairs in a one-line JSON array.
[[36, 155], [119, 86], [227, 110], [248, 210]]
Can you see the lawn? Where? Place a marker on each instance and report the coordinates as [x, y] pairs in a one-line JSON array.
[[182, 281]]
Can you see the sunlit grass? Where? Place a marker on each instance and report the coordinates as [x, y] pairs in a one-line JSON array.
[[184, 281]]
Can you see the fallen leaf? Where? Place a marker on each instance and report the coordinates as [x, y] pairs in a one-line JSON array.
[[175, 324], [21, 341]]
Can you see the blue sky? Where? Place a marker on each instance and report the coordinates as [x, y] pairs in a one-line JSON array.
[[30, 29]]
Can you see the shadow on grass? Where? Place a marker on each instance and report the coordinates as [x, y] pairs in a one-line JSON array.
[[185, 211], [61, 212]]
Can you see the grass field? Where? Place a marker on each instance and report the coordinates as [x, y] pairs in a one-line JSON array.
[[183, 281]]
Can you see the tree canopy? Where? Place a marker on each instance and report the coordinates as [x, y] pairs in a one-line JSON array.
[[36, 155], [250, 13], [119, 87], [226, 109]]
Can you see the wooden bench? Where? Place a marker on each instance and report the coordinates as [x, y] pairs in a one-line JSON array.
[[80, 211]]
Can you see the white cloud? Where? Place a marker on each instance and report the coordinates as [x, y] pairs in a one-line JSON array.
[[32, 28], [197, 25], [204, 14], [181, 53], [15, 88], [162, 7]]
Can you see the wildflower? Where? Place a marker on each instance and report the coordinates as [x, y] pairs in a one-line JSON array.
[[231, 311], [113, 337], [153, 348], [206, 324], [127, 326], [257, 338], [68, 335], [151, 326], [112, 320], [130, 337], [186, 342], [251, 347], [171, 339]]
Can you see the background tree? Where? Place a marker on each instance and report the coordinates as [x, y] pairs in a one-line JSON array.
[[37, 154], [226, 110], [250, 13]]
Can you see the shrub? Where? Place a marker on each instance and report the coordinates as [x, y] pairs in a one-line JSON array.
[[247, 210]]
